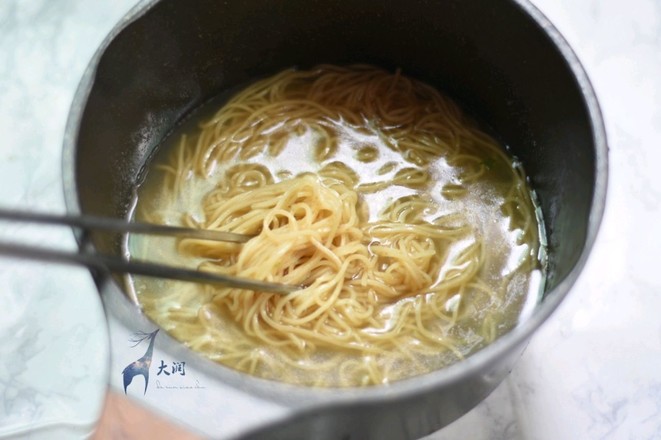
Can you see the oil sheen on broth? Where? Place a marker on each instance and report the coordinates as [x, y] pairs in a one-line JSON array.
[[415, 235]]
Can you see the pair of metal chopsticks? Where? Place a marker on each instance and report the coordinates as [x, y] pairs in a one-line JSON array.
[[136, 267]]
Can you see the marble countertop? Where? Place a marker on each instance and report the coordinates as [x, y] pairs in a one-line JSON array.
[[593, 371]]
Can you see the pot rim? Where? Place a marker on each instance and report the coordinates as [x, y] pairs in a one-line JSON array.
[[434, 380]]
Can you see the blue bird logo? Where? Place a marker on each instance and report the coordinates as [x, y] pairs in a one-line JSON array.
[[141, 366]]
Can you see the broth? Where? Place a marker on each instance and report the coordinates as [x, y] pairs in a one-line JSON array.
[[459, 263]]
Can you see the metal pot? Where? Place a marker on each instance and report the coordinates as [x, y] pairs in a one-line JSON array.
[[503, 61]]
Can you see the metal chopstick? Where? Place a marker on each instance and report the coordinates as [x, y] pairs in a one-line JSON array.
[[117, 225], [136, 267]]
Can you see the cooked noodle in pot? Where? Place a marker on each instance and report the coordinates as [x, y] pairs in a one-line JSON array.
[[413, 233]]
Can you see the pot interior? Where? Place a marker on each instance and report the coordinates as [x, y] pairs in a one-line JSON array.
[[492, 59]]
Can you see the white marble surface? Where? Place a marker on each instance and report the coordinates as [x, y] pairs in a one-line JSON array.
[[53, 338], [593, 371]]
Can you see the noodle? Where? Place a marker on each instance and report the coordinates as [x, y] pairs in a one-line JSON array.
[[412, 233]]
